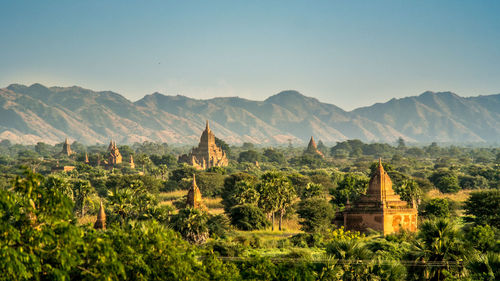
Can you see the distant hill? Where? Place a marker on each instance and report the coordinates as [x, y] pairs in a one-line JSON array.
[[37, 113]]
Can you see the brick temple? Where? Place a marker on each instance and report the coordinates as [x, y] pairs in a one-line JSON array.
[[207, 154], [380, 209]]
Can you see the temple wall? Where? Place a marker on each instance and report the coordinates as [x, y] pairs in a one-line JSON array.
[[394, 220], [363, 221], [386, 221]]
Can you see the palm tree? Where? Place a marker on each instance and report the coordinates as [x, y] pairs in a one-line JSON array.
[[276, 194], [485, 266], [121, 203], [438, 249], [192, 224], [81, 190], [353, 257]]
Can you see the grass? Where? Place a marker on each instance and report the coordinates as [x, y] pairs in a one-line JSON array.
[[213, 203], [460, 197], [172, 195], [87, 219]]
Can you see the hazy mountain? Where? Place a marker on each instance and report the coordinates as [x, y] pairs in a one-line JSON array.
[[440, 117], [37, 113]]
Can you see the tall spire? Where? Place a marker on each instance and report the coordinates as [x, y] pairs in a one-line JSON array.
[[132, 164], [100, 223], [194, 195], [207, 127], [312, 143], [86, 158], [380, 166], [66, 148]]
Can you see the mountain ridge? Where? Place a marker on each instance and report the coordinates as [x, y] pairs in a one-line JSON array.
[[35, 113]]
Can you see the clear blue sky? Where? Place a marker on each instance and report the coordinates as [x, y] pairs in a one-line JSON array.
[[349, 53]]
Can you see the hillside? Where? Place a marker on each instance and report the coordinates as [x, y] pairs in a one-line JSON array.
[[37, 113]]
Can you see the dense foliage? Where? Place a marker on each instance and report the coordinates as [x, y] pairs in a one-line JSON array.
[[47, 216]]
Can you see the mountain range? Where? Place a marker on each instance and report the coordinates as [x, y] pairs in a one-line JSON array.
[[29, 114]]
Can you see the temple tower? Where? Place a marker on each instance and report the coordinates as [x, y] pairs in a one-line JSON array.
[[66, 148], [381, 209], [207, 154], [132, 164], [100, 223], [114, 156], [312, 148], [194, 195]]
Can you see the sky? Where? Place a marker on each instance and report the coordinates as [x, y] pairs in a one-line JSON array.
[[348, 53]]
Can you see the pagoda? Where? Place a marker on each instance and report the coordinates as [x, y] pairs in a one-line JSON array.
[[312, 148], [380, 209], [114, 156], [207, 154], [100, 223], [194, 196], [67, 148]]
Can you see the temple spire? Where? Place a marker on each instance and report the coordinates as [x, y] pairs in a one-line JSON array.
[[312, 143], [380, 166], [100, 223], [207, 127], [194, 195]]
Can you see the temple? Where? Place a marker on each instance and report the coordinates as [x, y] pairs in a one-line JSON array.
[[67, 148], [207, 154], [312, 148], [380, 209], [194, 196], [100, 223], [132, 164], [115, 156]]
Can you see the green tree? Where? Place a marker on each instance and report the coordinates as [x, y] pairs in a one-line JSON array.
[[354, 256], [248, 217], [312, 190], [250, 156], [192, 225], [409, 191], [234, 192], [276, 194], [38, 239], [349, 188], [275, 156], [484, 207], [481, 237], [436, 208], [81, 191], [484, 266], [438, 243], [445, 180], [316, 214]]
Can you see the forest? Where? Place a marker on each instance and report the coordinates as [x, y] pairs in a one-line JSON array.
[[268, 215]]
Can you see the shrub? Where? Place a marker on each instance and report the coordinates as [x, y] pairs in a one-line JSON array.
[[484, 206], [316, 213], [248, 217], [436, 207], [446, 181]]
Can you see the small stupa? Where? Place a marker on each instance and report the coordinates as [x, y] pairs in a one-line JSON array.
[[194, 196], [312, 148], [66, 148], [100, 223], [132, 164]]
